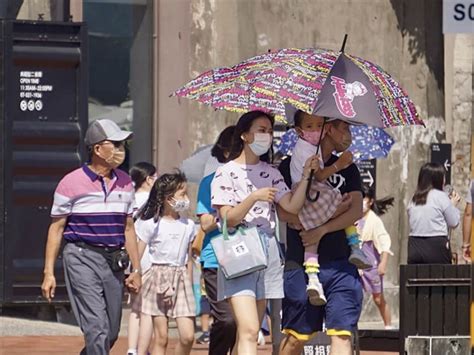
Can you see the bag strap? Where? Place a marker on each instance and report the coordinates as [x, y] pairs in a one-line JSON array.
[[225, 232], [225, 229], [277, 226]]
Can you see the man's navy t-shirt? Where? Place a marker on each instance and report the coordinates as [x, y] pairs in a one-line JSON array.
[[333, 246]]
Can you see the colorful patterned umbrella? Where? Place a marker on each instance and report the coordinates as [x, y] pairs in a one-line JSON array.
[[367, 142], [317, 81]]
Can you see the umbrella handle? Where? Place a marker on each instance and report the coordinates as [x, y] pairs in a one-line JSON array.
[[308, 188]]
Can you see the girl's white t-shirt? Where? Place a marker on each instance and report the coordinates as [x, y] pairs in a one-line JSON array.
[[234, 182], [168, 240], [300, 154]]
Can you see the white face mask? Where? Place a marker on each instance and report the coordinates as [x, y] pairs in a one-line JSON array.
[[261, 143], [180, 205]]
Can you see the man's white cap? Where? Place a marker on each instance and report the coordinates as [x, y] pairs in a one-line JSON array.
[[101, 130]]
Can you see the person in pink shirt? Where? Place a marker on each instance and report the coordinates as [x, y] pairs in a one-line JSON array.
[[92, 211]]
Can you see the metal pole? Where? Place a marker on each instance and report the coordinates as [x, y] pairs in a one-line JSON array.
[[66, 10], [60, 10], [472, 284]]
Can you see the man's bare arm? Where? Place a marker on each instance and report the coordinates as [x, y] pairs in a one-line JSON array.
[[55, 235]]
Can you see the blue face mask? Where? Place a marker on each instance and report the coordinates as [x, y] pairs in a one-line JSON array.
[[261, 143]]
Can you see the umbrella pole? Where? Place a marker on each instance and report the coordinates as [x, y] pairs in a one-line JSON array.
[[344, 43], [311, 173]]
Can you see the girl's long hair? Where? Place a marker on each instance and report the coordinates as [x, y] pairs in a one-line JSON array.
[[165, 187], [381, 206], [140, 171], [431, 177], [243, 126], [223, 145]]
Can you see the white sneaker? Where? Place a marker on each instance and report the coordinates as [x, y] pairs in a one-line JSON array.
[[389, 327], [315, 291], [261, 338], [359, 259]]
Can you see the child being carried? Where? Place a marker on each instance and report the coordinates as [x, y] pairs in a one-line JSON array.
[[330, 203]]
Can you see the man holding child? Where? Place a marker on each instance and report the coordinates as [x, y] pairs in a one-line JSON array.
[[338, 276]]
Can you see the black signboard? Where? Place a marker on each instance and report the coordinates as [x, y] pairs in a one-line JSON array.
[[441, 154], [368, 172], [43, 109]]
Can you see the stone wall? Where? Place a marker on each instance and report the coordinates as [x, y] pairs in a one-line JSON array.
[[404, 37], [400, 36]]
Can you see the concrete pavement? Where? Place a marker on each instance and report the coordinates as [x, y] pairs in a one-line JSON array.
[[31, 336]]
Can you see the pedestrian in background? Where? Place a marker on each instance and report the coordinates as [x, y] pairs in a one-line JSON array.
[[92, 209], [467, 225], [376, 245], [167, 286], [430, 213], [143, 176], [245, 191], [223, 329]]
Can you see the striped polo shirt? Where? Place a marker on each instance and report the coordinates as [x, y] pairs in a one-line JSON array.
[[96, 213]]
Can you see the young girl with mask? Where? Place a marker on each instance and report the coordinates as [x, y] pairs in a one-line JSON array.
[[245, 191], [143, 175], [167, 287], [376, 246], [330, 203]]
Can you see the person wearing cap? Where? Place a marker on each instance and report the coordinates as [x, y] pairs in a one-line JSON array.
[[340, 279], [92, 210]]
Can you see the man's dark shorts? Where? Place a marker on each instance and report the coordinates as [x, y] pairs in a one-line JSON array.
[[343, 290]]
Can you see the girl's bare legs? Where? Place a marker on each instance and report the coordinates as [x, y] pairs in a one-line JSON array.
[[247, 315], [145, 334], [205, 320], [160, 341], [384, 310], [133, 329], [261, 309], [314, 288], [186, 335]]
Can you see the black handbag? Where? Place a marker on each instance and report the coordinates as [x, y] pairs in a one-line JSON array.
[[116, 257]]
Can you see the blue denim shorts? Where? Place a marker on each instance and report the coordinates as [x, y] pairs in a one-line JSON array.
[[263, 284]]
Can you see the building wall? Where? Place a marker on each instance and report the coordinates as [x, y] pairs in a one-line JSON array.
[[392, 34]]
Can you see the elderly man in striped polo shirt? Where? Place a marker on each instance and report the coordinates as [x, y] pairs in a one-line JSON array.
[[92, 210]]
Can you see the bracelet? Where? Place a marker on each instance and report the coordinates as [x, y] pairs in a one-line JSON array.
[[335, 166], [468, 245], [138, 271]]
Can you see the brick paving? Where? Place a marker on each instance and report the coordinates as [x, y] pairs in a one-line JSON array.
[[71, 345]]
